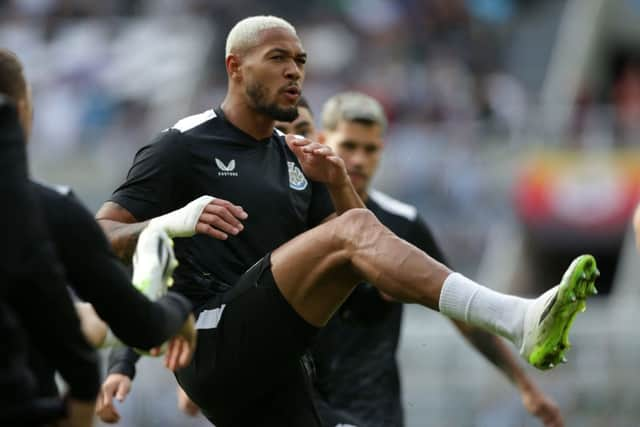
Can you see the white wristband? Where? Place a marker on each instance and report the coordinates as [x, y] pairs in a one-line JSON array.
[[182, 222]]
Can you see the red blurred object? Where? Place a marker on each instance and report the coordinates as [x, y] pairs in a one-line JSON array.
[[571, 190]]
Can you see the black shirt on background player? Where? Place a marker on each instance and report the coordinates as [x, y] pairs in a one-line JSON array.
[[246, 370], [355, 354]]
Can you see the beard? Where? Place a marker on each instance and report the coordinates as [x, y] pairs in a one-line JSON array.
[[257, 93]]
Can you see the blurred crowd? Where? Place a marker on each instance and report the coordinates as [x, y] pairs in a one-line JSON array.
[[117, 72], [459, 79], [436, 61]]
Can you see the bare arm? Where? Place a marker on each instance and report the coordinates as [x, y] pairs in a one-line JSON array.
[[343, 199], [121, 228], [494, 349], [344, 196]]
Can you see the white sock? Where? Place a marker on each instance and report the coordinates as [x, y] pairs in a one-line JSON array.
[[463, 299]]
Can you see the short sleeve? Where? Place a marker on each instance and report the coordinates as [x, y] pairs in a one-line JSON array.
[[149, 187], [422, 237], [321, 205]]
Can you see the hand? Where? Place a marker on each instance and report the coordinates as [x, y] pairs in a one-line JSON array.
[[538, 404], [318, 161], [205, 215], [220, 218], [185, 404], [117, 385], [79, 414], [181, 347]]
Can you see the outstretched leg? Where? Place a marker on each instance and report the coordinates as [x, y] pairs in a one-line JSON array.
[[317, 271]]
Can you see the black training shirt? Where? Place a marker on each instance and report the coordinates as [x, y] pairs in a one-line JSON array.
[[355, 354], [207, 155]]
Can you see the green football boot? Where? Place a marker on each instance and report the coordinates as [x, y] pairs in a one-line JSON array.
[[550, 316]]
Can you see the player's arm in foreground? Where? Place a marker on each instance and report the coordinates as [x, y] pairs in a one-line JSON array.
[[98, 277], [97, 332], [206, 215]]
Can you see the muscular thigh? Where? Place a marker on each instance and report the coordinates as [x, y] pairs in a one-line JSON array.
[[314, 270]]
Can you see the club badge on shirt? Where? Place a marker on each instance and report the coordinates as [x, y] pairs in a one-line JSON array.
[[297, 180]]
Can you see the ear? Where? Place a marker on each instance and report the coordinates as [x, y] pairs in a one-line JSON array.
[[232, 63]]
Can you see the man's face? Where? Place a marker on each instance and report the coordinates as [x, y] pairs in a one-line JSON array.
[[360, 146], [302, 125], [272, 74]]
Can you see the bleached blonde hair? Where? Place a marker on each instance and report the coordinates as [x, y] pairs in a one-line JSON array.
[[245, 33], [352, 106]]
